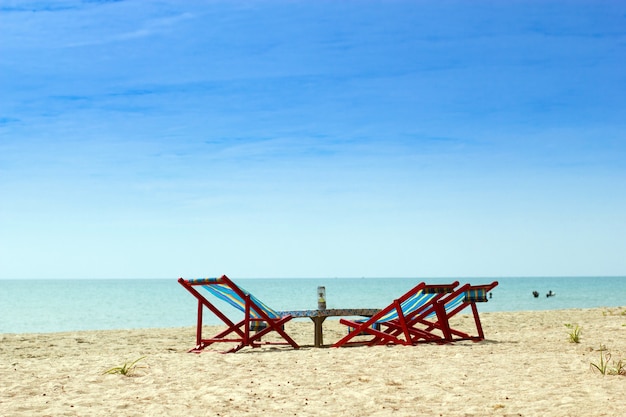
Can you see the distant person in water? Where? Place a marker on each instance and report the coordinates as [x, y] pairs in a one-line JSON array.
[[550, 294], [535, 294]]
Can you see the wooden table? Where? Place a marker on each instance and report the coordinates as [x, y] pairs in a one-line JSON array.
[[318, 317]]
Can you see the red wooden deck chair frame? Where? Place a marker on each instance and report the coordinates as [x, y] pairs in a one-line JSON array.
[[451, 305], [258, 319], [395, 324]]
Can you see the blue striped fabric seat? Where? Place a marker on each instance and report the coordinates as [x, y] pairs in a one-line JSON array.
[[409, 306], [225, 293]]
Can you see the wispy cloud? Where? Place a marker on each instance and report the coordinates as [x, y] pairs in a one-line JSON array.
[[39, 6], [51, 6], [8, 120], [76, 24], [148, 28]]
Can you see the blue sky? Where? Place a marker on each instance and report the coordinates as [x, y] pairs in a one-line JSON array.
[[143, 139]]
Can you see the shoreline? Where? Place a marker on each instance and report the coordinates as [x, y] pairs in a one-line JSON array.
[[297, 320], [526, 366]]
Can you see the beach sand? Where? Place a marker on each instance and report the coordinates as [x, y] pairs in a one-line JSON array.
[[525, 367]]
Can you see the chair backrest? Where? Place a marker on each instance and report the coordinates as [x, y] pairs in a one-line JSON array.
[[469, 294], [233, 294]]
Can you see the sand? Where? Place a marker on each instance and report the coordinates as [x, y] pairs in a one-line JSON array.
[[525, 367]]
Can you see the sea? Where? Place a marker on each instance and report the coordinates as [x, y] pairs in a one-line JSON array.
[[51, 305]]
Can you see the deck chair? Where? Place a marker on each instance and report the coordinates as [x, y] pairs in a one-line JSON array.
[[432, 323], [396, 323], [258, 319], [454, 303]]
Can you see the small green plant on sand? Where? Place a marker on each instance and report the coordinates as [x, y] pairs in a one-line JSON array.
[[603, 365], [574, 332], [127, 369], [620, 367], [606, 366]]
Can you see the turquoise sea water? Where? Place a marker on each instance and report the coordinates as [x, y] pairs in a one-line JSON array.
[[42, 306]]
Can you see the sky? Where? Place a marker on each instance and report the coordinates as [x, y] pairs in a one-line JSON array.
[[158, 139]]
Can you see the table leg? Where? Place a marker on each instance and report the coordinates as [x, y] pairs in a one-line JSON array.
[[319, 339]]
